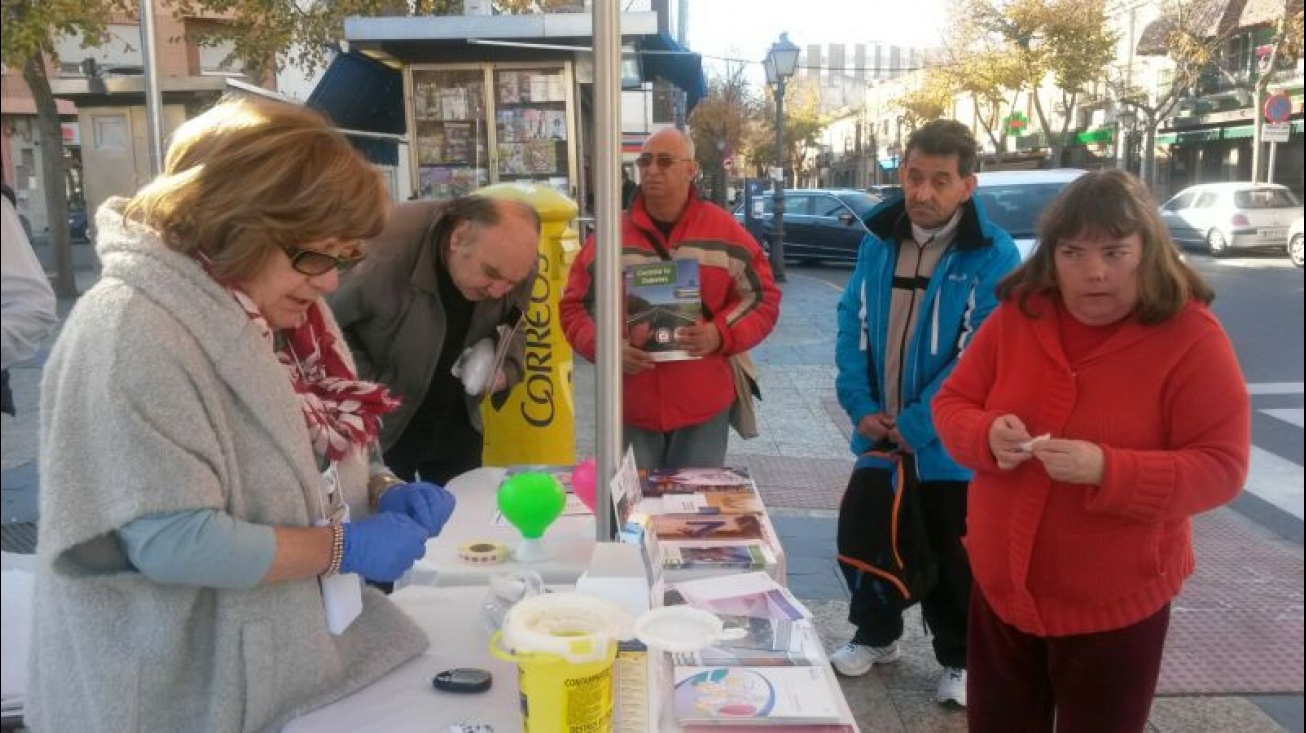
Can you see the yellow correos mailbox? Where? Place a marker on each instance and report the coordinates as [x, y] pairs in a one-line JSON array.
[[537, 423]]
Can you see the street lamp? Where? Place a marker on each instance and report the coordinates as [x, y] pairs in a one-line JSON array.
[[780, 63]]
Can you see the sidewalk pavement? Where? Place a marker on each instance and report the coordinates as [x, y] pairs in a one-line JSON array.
[[1236, 630]]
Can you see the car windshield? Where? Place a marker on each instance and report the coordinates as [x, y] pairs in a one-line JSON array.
[[861, 203], [1264, 198], [1015, 207]]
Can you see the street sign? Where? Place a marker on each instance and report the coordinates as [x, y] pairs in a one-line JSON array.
[[1278, 108], [728, 164], [1275, 132]]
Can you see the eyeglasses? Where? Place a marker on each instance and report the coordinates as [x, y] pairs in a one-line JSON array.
[[663, 160], [312, 262]]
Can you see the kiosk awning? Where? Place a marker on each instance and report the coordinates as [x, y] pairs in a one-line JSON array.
[[362, 94]]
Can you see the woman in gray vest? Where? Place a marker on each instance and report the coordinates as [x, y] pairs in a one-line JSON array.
[[205, 449]]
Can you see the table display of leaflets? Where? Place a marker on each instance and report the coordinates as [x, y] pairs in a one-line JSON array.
[[769, 696], [662, 298], [530, 124], [451, 135]]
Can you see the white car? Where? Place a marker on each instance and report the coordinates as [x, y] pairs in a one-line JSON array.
[[1014, 199], [1295, 242], [1228, 216]]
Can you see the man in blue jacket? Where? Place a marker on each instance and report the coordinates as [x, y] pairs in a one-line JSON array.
[[924, 283]]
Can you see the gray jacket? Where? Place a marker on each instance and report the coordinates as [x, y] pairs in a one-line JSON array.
[[161, 396], [389, 309]]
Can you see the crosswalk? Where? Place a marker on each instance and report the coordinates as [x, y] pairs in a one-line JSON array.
[[1277, 479]]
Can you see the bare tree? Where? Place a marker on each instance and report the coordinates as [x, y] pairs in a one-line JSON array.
[[1285, 45], [1190, 33], [719, 122]]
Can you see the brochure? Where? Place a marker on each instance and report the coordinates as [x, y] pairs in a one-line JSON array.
[[753, 695], [746, 594], [662, 298], [707, 526], [716, 555], [711, 502], [661, 481]]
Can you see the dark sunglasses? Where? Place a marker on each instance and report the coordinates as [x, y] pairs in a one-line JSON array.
[[312, 263], [663, 160]]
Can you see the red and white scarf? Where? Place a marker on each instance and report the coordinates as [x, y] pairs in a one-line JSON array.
[[342, 412]]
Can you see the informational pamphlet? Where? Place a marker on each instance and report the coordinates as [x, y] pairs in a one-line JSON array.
[[661, 299]]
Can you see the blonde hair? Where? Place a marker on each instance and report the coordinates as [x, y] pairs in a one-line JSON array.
[[250, 176], [1110, 203]]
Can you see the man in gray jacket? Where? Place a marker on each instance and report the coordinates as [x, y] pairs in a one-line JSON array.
[[439, 279]]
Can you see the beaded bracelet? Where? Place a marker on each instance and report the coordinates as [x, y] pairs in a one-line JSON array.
[[337, 549]]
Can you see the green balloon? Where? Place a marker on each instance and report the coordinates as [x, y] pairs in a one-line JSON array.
[[531, 501]]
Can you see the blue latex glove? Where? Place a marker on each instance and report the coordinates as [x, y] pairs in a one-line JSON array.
[[427, 504], [383, 546]]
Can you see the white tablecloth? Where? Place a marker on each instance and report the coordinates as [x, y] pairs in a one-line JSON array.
[[405, 702], [569, 540]]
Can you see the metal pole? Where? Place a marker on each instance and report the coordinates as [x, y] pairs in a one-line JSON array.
[[153, 99], [1269, 173], [1258, 102], [778, 198], [607, 263]]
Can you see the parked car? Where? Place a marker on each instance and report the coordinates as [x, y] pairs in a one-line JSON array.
[[1295, 242], [819, 224], [1227, 216], [1014, 199], [885, 190], [78, 228]]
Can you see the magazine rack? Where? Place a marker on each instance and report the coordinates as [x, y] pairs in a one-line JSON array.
[[477, 124]]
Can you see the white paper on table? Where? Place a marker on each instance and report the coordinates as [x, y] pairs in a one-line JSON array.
[[747, 594]]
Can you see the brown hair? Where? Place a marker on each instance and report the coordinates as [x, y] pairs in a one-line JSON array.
[[1110, 203], [946, 137], [249, 176]]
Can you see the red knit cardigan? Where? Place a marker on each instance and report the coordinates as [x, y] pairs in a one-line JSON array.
[[1167, 404]]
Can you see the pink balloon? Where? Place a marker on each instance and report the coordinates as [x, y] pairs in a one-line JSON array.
[[582, 481]]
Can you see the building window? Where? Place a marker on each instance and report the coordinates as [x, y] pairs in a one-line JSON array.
[[121, 51], [216, 60], [110, 132], [664, 106]]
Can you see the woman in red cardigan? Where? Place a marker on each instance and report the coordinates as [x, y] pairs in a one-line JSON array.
[[1100, 407]]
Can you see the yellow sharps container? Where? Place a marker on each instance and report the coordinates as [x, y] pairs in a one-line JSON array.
[[537, 423]]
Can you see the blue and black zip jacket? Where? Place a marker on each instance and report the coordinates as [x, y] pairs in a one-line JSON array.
[[958, 299]]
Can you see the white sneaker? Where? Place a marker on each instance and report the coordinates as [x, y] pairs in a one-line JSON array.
[[855, 660], [952, 687]]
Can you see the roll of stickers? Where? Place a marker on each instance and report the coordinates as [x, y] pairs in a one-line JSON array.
[[482, 553]]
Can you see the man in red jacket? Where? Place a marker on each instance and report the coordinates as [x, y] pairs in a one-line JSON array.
[[677, 413]]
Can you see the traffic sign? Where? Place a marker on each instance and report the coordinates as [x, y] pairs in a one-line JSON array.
[[728, 164], [1276, 132], [1278, 108]]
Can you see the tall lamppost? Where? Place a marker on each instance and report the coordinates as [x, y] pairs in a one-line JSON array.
[[780, 63]]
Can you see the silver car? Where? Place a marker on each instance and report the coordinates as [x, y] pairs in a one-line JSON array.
[[1228, 216], [1295, 242], [1014, 199]]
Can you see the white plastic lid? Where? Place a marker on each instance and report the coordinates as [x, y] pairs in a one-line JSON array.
[[678, 629], [575, 627]]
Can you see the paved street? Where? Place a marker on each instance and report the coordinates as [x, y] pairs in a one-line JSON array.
[[1233, 659]]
